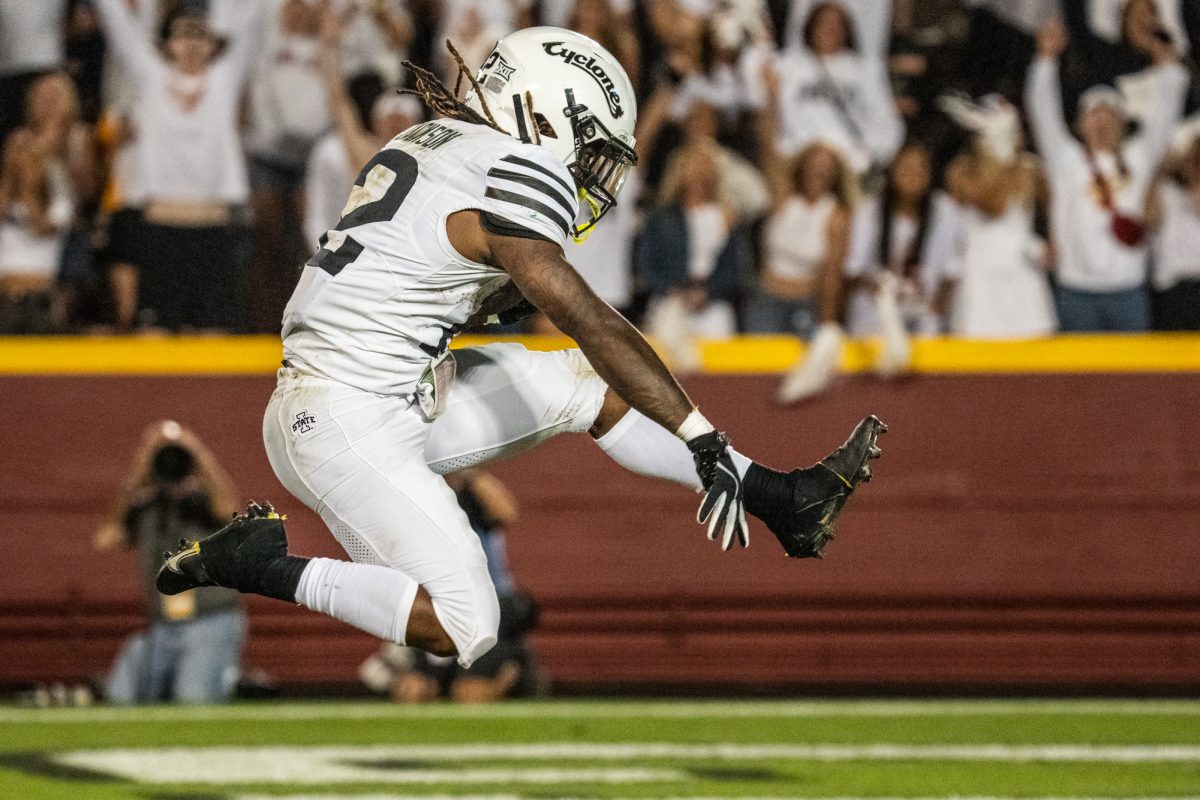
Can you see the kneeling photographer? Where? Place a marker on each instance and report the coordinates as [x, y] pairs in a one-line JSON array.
[[190, 650]]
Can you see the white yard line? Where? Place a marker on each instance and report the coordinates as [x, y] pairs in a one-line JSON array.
[[651, 709], [641, 751], [410, 764], [313, 765]]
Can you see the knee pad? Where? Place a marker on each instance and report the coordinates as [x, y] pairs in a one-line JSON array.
[[583, 389]]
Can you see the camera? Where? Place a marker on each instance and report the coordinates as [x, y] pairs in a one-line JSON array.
[[171, 464]]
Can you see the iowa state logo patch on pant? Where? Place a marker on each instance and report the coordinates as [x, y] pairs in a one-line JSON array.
[[304, 423]]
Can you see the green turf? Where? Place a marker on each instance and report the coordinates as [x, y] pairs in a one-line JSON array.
[[29, 740]]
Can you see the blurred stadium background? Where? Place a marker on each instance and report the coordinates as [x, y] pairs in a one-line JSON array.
[[1032, 532]]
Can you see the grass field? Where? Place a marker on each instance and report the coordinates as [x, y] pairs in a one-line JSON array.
[[630, 749]]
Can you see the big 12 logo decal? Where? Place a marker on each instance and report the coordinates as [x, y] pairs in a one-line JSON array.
[[496, 72]]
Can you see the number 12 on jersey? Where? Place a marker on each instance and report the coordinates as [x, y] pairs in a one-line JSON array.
[[380, 189]]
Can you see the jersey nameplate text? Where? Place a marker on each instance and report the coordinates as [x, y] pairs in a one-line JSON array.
[[430, 135]]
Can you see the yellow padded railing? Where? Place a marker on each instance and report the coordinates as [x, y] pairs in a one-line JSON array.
[[242, 355]]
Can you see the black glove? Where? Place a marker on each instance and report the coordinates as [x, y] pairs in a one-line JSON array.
[[504, 306], [523, 309], [723, 504]]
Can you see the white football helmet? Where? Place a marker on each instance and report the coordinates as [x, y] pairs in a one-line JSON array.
[[563, 91]]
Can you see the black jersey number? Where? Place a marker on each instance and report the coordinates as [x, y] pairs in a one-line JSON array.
[[378, 192]]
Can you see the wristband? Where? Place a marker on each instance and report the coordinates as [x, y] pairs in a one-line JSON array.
[[695, 425]]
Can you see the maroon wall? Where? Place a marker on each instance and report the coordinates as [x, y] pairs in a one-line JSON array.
[[1024, 531]]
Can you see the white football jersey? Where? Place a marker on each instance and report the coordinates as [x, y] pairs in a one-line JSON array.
[[387, 292]]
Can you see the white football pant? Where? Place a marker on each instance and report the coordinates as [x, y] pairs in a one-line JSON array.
[[370, 466]]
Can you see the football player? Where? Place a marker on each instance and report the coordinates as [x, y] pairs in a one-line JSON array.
[[453, 222]]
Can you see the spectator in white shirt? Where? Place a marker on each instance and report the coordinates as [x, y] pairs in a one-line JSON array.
[[288, 107], [35, 212], [1098, 188], [1174, 214], [190, 161], [804, 245], [906, 238], [288, 113], [1004, 289], [827, 90], [68, 147], [52, 115]]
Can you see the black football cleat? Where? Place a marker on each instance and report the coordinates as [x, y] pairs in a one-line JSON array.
[[820, 492], [851, 462], [236, 557]]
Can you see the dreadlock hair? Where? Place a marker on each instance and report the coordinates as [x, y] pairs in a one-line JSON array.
[[537, 127], [441, 100]]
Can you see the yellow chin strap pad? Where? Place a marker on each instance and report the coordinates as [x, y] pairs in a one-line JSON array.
[[594, 207]]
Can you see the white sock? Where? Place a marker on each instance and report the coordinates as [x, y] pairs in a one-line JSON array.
[[643, 446], [370, 597]]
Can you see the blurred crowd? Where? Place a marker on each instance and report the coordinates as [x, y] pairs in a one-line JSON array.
[[982, 168]]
